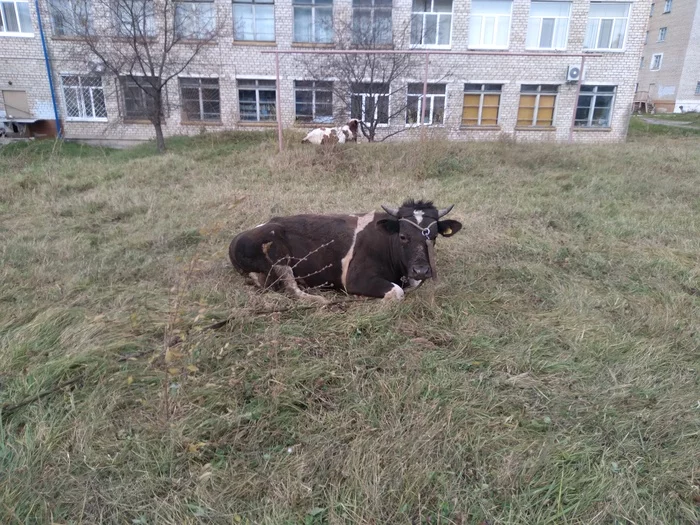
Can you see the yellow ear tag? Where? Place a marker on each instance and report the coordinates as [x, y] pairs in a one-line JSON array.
[[448, 231]]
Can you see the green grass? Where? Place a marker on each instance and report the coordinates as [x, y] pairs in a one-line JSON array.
[[692, 118], [639, 129], [550, 376]]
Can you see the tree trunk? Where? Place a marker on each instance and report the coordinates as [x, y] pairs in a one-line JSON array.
[[160, 140]]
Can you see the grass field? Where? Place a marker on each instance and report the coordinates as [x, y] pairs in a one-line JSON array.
[[550, 376]]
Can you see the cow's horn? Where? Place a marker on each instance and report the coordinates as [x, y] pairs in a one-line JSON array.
[[445, 211], [394, 212]]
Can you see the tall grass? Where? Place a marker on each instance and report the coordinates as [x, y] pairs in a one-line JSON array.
[[551, 376]]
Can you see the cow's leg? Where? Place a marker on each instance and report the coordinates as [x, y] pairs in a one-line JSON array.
[[375, 287], [286, 275]]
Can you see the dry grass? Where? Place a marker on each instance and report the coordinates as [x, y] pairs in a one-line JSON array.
[[551, 376]]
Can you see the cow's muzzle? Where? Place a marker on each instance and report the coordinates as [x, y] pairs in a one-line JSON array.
[[420, 273]]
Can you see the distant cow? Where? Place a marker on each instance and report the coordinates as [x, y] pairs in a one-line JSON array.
[[340, 135], [373, 254]]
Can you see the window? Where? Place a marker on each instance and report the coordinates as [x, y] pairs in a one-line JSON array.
[[200, 99], [548, 26], [313, 21], [489, 24], [697, 89], [254, 20], [537, 105], [662, 34], [656, 61], [313, 101], [69, 17], [138, 94], [194, 20], [257, 100], [594, 107], [371, 21], [667, 6], [135, 18], [481, 103], [84, 97], [434, 106], [370, 103], [651, 11], [431, 23], [607, 24], [14, 17], [646, 38], [641, 63]]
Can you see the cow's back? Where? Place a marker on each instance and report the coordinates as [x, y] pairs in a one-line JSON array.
[[312, 245]]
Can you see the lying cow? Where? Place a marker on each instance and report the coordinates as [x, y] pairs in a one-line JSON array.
[[340, 135], [373, 254]]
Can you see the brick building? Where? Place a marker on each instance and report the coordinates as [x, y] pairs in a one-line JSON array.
[[231, 84], [670, 65]]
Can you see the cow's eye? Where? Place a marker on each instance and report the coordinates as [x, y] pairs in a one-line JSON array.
[[403, 238]]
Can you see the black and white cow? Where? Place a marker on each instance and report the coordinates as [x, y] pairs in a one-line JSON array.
[[373, 254], [337, 135]]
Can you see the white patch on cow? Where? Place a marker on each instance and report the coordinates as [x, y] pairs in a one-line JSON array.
[[258, 279], [362, 223], [395, 294], [418, 214], [412, 285]]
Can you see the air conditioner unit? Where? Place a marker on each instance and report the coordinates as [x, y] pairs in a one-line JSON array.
[[573, 74]]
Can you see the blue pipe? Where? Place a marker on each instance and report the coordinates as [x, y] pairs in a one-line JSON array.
[[59, 131]]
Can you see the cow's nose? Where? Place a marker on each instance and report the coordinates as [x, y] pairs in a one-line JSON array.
[[421, 272]]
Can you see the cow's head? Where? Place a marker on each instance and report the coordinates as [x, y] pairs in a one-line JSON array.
[[353, 125], [414, 223]]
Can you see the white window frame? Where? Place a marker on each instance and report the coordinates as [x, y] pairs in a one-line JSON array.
[[667, 6], [591, 109], [314, 7], [124, 30], [257, 88], [200, 32], [557, 20], [375, 96], [81, 99], [613, 18], [662, 34], [255, 4], [314, 89], [76, 25], [440, 15], [497, 22], [372, 9], [653, 63], [430, 108], [536, 108], [3, 22], [200, 97]]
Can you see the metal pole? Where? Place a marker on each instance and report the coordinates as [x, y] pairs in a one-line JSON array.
[[59, 131], [278, 111], [425, 96], [578, 92]]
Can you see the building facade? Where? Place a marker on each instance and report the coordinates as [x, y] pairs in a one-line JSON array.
[[670, 65], [524, 93]]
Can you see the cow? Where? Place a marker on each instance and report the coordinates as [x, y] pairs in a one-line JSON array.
[[340, 134], [375, 254]]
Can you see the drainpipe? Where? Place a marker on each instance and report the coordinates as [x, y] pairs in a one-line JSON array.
[[59, 131]]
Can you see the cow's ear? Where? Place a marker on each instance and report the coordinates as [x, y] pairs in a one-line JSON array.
[[388, 225], [449, 228]]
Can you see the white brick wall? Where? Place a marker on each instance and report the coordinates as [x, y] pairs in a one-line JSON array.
[[228, 59]]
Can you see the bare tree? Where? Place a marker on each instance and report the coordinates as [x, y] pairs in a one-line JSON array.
[[144, 44], [370, 87]]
